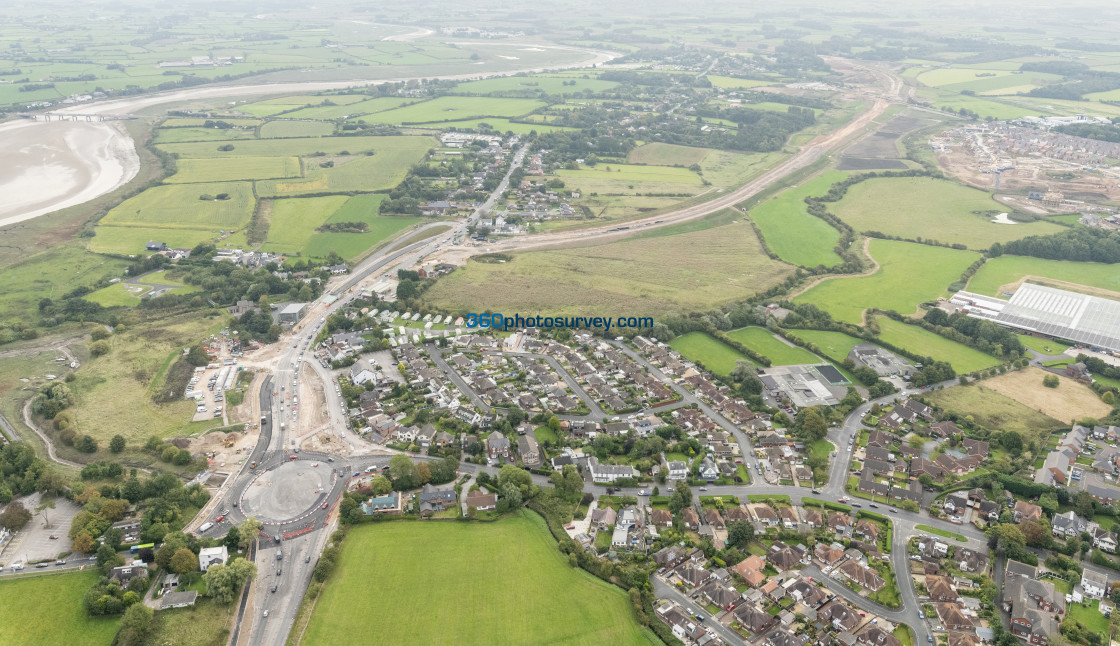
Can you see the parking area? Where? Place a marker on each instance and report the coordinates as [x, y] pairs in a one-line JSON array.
[[208, 386], [34, 542]]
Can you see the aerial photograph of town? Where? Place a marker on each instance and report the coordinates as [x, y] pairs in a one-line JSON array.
[[575, 323]]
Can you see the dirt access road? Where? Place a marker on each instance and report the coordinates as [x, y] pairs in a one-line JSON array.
[[809, 154]]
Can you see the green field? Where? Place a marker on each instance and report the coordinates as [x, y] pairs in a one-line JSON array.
[[50, 274], [282, 128], [294, 221], [1005, 270], [993, 410], [835, 345], [118, 294], [930, 209], [219, 169], [179, 207], [301, 147], [734, 83], [940, 532], [496, 125], [455, 108], [908, 274], [668, 155], [641, 276], [384, 169], [350, 109], [531, 85], [764, 342], [502, 582], [1044, 346], [714, 355], [791, 232], [926, 343], [631, 173], [360, 208], [40, 610], [180, 135]]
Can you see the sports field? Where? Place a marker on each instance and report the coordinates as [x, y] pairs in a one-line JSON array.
[[778, 351], [180, 206], [48, 609], [218, 169], [713, 354], [791, 232], [1066, 274], [931, 209], [494, 583], [992, 410], [908, 274], [925, 343], [640, 276]]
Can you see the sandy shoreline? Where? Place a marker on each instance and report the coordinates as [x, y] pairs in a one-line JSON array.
[[50, 165]]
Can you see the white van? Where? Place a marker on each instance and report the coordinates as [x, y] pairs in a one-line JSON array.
[[205, 527]]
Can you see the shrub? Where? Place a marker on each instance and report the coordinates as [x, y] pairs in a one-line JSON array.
[[1050, 381], [98, 348]]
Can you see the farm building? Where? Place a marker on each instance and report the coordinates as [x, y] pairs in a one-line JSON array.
[[1057, 313]]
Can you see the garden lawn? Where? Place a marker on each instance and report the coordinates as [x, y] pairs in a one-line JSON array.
[[908, 274], [778, 351], [703, 349], [40, 610], [791, 232], [1065, 274], [925, 343], [502, 582], [1088, 616], [1044, 346], [205, 624]]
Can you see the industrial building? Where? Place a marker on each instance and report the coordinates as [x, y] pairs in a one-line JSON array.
[[1087, 320]]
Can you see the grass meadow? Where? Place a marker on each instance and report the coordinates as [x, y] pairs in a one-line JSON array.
[[1005, 270], [456, 108], [921, 341], [791, 232], [993, 410], [641, 276], [219, 169], [300, 147], [908, 274], [370, 106], [835, 345], [294, 222], [659, 154], [777, 350], [179, 207], [118, 295], [501, 582], [50, 274], [931, 209], [360, 208], [48, 609], [285, 128], [715, 355], [1070, 400]]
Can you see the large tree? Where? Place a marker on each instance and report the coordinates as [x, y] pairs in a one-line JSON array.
[[183, 561], [681, 498], [135, 625], [403, 473], [15, 516], [739, 533], [249, 531]]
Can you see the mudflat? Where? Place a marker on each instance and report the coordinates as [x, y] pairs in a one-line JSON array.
[[50, 165]]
